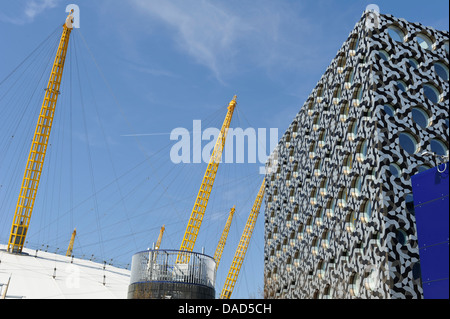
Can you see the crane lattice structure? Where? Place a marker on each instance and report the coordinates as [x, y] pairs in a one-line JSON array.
[[72, 240], [198, 211], [223, 238], [36, 157], [158, 242], [239, 256]]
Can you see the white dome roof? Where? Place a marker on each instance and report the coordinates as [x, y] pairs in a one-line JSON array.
[[33, 277]]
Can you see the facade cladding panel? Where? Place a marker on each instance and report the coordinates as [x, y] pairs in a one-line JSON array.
[[339, 213]]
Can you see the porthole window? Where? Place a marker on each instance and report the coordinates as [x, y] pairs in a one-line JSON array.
[[357, 97], [337, 95], [352, 130], [355, 284], [343, 114], [441, 70], [372, 279], [355, 190], [396, 33], [424, 41], [401, 236], [342, 201], [326, 239], [431, 92], [366, 211], [409, 199], [330, 208], [316, 122], [401, 86], [323, 187], [438, 147], [349, 78], [350, 222], [354, 43], [320, 93], [421, 117], [341, 64], [413, 62], [313, 196], [348, 164], [409, 142], [383, 55], [395, 170], [416, 271], [361, 151], [389, 109]]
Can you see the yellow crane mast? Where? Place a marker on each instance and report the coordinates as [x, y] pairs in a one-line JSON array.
[[223, 238], [72, 240], [39, 144], [198, 211], [161, 232], [239, 256]]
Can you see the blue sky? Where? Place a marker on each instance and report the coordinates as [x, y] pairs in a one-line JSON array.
[[166, 63]]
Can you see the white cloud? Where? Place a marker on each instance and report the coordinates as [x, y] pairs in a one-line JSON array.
[[30, 10], [223, 35], [36, 7]]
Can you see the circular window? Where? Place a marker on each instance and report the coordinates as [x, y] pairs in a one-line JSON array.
[[341, 64], [421, 117], [416, 271], [383, 55], [395, 170], [424, 41], [431, 92], [330, 208], [349, 78], [358, 96], [361, 151], [408, 142], [389, 109], [446, 46], [354, 43], [401, 86], [401, 236], [439, 147], [350, 224], [355, 283], [366, 211], [413, 62], [396, 33], [409, 199], [441, 70]]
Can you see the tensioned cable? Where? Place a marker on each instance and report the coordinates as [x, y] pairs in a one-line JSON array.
[[91, 169]]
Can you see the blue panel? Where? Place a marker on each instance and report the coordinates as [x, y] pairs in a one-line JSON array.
[[431, 205], [430, 185], [428, 261], [432, 221], [436, 289]]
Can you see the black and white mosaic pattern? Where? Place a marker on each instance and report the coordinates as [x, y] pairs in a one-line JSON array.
[[339, 216]]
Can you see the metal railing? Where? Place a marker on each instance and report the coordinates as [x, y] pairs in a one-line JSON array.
[[162, 266]]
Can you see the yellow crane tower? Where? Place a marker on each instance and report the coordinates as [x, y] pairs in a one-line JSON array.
[[161, 232], [223, 238], [239, 256], [32, 175], [198, 211], [72, 240]]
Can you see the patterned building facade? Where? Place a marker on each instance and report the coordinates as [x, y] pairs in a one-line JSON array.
[[339, 213]]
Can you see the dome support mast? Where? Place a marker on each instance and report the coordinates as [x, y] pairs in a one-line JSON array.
[[35, 163]]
